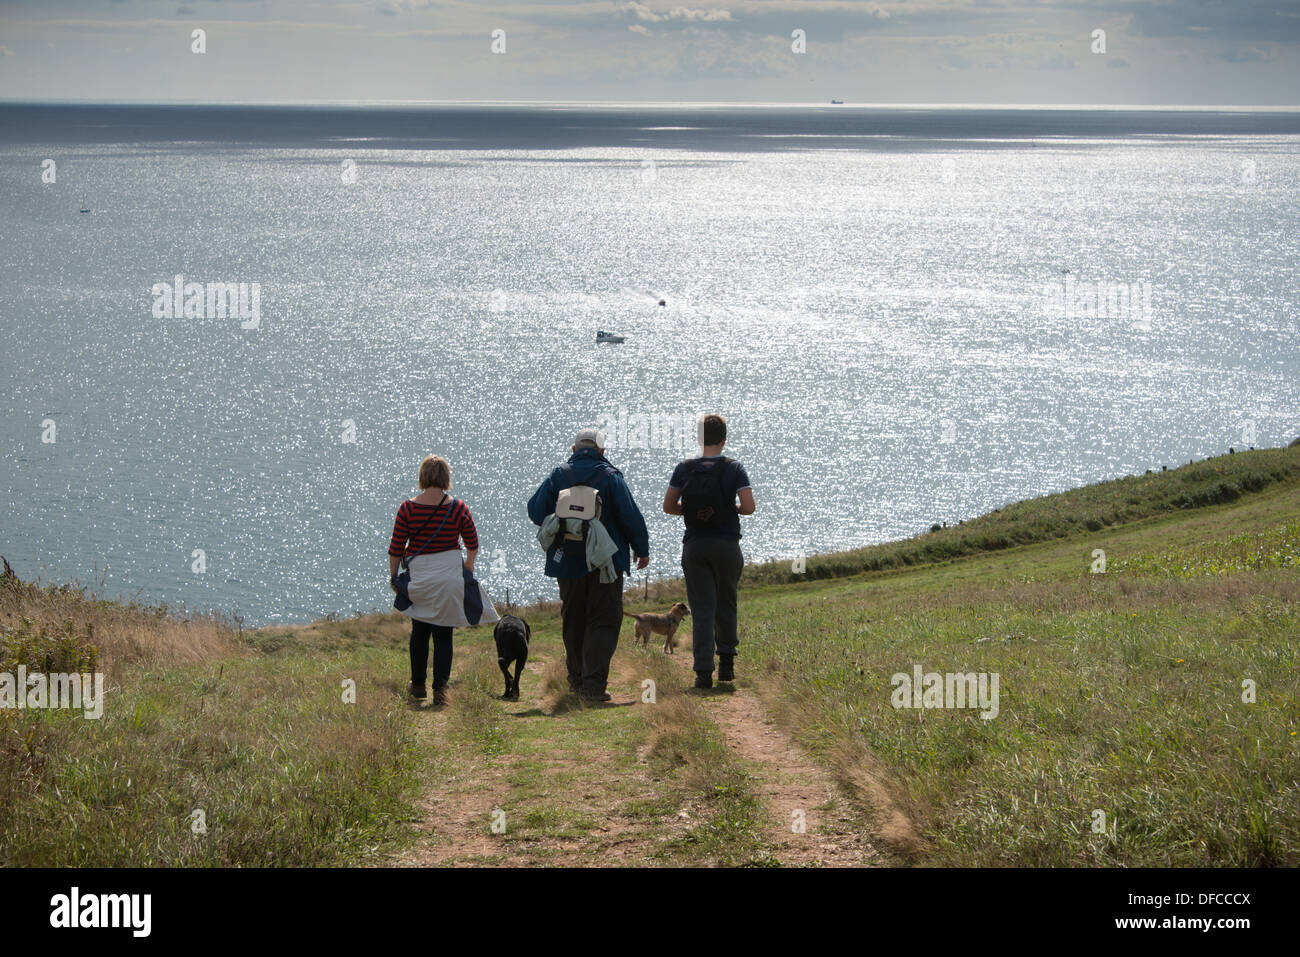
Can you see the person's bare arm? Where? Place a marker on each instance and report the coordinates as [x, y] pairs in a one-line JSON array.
[[746, 506], [673, 501], [393, 562], [470, 555]]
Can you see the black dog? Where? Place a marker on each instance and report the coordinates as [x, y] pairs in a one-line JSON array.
[[511, 635]]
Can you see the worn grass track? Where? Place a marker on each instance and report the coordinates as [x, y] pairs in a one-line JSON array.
[[657, 777]]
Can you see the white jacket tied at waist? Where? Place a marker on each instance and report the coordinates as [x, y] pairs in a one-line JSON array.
[[437, 591]]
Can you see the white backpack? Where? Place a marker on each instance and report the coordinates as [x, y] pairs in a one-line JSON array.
[[577, 501]]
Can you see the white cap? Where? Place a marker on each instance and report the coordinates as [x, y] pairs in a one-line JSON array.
[[590, 439]]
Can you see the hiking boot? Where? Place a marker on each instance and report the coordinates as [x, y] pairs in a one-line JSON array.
[[419, 692], [439, 697], [596, 698], [704, 679], [726, 668]]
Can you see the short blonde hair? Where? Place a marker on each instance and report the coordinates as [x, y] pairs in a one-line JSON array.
[[435, 473]]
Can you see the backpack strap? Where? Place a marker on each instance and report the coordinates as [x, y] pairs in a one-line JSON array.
[[567, 470], [721, 466]]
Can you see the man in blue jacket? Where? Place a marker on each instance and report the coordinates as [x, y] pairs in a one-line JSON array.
[[592, 610]]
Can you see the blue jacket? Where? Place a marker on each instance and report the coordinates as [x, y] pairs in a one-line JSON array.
[[619, 514]]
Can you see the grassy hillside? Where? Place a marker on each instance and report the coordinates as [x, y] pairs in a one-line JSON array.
[[1120, 692], [1214, 481], [198, 719]]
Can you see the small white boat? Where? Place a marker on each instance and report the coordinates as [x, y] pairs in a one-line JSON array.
[[603, 336]]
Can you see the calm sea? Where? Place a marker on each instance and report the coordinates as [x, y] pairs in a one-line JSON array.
[[907, 316]]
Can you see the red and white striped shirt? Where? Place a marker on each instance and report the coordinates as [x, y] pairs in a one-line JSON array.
[[459, 525]]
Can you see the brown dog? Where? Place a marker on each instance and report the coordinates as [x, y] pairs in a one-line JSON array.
[[665, 625]]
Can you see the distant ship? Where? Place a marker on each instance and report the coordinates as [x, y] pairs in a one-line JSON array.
[[837, 102], [603, 336]]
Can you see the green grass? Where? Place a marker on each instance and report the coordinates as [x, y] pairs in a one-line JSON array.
[[285, 773], [1120, 692], [1272, 548]]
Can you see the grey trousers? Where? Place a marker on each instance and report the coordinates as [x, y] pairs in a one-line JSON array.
[[712, 568], [592, 615]]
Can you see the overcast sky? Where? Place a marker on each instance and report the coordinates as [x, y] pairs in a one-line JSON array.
[[1168, 52]]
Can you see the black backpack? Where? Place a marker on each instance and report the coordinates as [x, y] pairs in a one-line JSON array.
[[704, 500]]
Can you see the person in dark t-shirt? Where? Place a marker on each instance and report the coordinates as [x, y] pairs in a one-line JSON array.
[[711, 493]]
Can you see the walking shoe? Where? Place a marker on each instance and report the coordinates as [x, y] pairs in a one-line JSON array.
[[726, 668], [596, 698], [704, 679], [439, 697], [416, 691]]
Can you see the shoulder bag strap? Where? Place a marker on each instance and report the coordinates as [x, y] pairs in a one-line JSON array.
[[451, 507]]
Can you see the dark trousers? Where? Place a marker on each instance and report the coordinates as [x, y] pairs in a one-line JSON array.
[[592, 614], [421, 631], [712, 568]]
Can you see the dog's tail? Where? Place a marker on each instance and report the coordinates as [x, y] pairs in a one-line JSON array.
[[628, 614]]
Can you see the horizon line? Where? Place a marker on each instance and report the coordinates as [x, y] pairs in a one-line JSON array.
[[664, 104]]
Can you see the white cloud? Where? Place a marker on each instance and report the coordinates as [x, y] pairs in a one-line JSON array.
[[643, 12], [391, 8]]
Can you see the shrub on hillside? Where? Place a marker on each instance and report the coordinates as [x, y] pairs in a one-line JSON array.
[[62, 650]]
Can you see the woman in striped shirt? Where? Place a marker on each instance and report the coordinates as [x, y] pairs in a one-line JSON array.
[[428, 532]]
